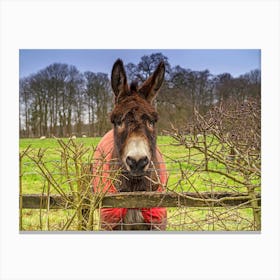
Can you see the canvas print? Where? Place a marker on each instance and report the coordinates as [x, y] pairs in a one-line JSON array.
[[140, 140]]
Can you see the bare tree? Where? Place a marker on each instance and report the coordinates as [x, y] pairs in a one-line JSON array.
[[228, 141]]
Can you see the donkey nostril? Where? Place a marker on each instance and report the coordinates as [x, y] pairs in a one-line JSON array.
[[142, 162], [131, 162]]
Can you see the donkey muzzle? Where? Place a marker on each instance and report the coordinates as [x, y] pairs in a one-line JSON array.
[[137, 155]]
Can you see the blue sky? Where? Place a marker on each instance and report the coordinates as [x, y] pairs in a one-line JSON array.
[[235, 62]]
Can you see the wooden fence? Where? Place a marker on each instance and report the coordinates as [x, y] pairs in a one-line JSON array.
[[145, 200]]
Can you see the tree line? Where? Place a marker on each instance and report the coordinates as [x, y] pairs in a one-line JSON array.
[[61, 101]]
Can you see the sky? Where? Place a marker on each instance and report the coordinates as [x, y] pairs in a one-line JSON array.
[[235, 61]]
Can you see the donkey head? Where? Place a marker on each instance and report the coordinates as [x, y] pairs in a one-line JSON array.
[[134, 119]]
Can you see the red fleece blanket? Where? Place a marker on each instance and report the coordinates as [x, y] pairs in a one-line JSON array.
[[110, 217]]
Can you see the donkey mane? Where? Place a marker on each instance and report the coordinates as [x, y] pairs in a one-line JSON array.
[[133, 86]]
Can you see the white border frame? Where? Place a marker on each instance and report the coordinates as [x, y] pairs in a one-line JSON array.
[[135, 24]]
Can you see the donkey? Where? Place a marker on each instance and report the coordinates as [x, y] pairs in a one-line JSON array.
[[130, 147]]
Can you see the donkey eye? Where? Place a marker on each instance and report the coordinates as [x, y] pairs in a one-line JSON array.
[[119, 124], [150, 124]]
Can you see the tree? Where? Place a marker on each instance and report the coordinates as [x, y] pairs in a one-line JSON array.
[[73, 91], [196, 88], [56, 75], [24, 105], [145, 68], [98, 101]]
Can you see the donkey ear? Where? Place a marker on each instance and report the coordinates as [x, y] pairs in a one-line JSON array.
[[151, 86], [118, 79]]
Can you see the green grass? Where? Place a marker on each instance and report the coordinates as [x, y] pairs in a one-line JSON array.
[[179, 218], [32, 180]]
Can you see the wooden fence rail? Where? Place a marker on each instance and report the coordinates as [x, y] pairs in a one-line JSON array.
[[145, 200]]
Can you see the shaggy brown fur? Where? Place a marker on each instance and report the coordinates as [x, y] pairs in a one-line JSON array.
[[135, 116]]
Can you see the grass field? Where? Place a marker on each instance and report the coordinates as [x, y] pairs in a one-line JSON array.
[[178, 159]]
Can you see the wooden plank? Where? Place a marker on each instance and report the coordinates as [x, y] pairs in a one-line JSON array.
[[37, 201], [145, 199], [152, 199]]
